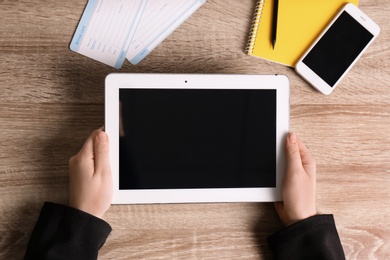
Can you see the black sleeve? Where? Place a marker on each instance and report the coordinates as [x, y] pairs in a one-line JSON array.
[[63, 232], [312, 238]]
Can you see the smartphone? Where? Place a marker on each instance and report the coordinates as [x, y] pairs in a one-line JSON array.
[[338, 47]]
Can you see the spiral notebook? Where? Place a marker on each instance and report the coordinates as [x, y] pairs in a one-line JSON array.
[[299, 24]]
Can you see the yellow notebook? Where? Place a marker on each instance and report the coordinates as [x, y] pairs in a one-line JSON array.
[[299, 24]]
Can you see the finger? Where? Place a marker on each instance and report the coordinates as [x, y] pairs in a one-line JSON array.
[[101, 151], [307, 159], [87, 150], [293, 155]]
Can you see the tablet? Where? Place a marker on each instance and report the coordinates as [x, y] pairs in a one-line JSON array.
[[194, 138]]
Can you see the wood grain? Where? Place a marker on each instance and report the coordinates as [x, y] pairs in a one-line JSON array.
[[52, 98]]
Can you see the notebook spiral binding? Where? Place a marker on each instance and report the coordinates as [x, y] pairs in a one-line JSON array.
[[254, 27]]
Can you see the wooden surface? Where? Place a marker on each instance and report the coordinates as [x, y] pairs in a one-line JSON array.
[[51, 99]]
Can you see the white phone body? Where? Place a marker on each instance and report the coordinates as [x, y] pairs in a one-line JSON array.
[[338, 47]]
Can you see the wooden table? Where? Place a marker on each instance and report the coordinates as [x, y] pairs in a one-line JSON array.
[[51, 99]]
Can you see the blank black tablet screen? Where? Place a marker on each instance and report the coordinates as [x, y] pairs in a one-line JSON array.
[[197, 138]]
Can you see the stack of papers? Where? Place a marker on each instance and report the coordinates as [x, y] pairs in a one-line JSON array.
[[111, 31]]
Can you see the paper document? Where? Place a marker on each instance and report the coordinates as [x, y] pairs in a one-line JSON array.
[[106, 29], [159, 20], [111, 30]]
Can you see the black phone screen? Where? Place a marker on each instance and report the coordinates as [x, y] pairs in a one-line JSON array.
[[338, 48]]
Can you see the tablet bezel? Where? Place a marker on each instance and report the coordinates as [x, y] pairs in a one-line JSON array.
[[117, 81]]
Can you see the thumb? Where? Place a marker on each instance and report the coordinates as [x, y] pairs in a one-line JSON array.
[[293, 155], [101, 151]]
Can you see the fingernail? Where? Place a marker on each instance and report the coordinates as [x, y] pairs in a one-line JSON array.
[[293, 138], [102, 136]]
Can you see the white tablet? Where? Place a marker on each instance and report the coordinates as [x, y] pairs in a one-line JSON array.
[[192, 138]]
